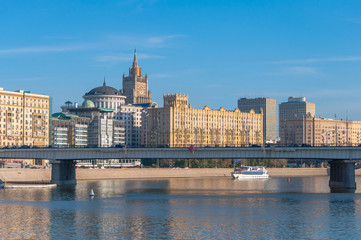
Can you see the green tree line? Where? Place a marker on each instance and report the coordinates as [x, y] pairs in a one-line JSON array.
[[212, 163]]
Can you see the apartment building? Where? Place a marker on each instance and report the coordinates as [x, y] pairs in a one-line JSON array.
[[320, 132], [24, 118], [69, 130], [179, 125]]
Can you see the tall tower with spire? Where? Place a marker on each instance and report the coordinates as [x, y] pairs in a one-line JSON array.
[[135, 86]]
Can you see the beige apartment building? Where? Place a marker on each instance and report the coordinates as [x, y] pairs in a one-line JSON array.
[[24, 119], [320, 132], [179, 125]]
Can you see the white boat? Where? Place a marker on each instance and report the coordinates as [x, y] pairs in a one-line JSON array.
[[246, 172]]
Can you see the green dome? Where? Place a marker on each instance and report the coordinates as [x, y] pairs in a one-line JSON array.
[[88, 104]]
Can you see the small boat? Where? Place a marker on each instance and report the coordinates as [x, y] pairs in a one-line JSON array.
[[2, 184], [91, 193], [246, 172]]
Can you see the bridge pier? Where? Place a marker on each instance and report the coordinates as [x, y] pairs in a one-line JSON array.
[[63, 172], [342, 176]]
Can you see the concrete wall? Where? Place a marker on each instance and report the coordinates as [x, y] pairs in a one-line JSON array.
[[44, 175], [25, 175], [151, 173]]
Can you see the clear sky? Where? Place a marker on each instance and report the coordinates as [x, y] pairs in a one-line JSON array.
[[214, 51]]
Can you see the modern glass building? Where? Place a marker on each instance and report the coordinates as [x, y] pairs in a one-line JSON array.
[[269, 108]]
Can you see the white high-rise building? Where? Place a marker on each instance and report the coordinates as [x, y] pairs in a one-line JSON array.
[[132, 117]]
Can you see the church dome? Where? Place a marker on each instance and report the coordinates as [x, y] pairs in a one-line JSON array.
[[103, 90], [88, 104]]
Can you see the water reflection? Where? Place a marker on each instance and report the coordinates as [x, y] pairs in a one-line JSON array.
[[284, 185], [343, 208], [22, 222], [276, 208]]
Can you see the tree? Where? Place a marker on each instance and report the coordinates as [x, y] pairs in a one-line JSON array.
[[226, 163], [278, 162]]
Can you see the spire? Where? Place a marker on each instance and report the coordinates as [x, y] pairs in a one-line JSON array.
[[104, 84], [135, 61], [135, 55]]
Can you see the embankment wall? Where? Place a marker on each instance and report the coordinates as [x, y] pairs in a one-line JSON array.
[[44, 175]]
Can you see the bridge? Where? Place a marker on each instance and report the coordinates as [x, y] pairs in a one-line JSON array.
[[342, 159]]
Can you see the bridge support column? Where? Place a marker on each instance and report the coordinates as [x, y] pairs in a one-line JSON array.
[[63, 172], [342, 176]]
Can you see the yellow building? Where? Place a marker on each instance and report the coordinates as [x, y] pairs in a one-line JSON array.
[[320, 132], [24, 119], [179, 125]]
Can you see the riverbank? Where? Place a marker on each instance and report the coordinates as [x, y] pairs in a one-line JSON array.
[[44, 175]]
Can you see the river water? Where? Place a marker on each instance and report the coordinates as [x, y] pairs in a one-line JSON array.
[[199, 208]]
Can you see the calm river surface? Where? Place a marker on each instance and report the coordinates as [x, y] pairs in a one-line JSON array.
[[200, 208]]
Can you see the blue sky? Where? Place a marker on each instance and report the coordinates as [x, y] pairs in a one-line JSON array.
[[214, 51]]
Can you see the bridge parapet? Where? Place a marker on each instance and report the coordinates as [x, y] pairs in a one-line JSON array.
[[322, 153]]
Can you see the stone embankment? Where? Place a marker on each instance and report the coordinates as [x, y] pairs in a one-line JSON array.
[[44, 175], [25, 175]]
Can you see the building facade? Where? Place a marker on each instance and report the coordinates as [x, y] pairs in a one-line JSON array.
[[179, 125], [105, 97], [102, 129], [269, 108], [132, 117], [292, 110], [135, 86], [69, 130], [118, 133], [24, 119], [320, 132], [100, 132], [296, 108]]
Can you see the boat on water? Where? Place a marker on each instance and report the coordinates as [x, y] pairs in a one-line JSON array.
[[247, 172], [2, 184]]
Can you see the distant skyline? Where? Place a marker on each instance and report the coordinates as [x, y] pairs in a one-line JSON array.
[[214, 51]]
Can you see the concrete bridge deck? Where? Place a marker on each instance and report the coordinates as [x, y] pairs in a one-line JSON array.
[[322, 153]]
